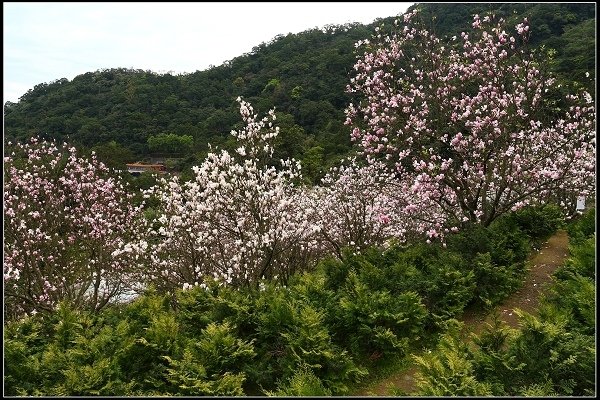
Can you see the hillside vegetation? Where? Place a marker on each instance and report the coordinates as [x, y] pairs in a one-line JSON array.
[[119, 112]]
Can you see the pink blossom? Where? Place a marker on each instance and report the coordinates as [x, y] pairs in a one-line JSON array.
[[475, 121]]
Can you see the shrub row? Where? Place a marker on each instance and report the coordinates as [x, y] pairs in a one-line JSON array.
[[311, 337], [551, 355]]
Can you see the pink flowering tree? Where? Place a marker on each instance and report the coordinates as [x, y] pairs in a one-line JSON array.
[[365, 205], [474, 123], [64, 216], [240, 220]]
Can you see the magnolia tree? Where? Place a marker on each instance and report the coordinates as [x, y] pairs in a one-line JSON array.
[[239, 221], [365, 205], [64, 216], [474, 124]]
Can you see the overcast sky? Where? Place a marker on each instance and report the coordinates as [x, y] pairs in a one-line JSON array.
[[48, 41]]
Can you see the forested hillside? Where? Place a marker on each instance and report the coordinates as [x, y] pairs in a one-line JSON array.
[[127, 115]]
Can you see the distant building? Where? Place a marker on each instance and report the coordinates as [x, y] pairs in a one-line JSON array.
[[138, 168]]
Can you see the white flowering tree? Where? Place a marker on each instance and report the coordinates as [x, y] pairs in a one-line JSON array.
[[365, 205], [240, 220], [475, 124], [63, 217]]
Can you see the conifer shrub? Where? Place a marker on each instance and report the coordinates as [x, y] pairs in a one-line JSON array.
[[582, 226], [572, 297], [303, 383], [491, 363], [494, 282], [496, 255], [151, 333], [377, 323], [291, 333], [440, 277], [550, 355], [23, 343], [64, 354], [582, 260], [539, 222], [506, 242], [202, 305], [449, 371], [311, 288], [549, 350], [212, 364], [315, 335], [509, 244]]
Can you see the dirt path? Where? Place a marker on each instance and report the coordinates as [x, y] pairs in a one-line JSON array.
[[543, 263]]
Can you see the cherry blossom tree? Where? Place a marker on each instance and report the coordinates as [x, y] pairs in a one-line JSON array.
[[240, 220], [474, 123], [64, 216]]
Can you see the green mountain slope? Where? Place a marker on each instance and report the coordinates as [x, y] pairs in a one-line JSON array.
[[303, 75]]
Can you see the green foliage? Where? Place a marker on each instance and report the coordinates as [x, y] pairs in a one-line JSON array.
[[547, 350], [504, 239], [441, 278], [509, 244], [198, 307], [190, 378], [272, 85], [572, 296], [481, 265], [551, 355], [449, 371], [213, 365], [303, 383], [496, 254], [69, 358], [582, 226], [291, 333], [150, 333], [170, 143], [296, 92], [583, 258], [539, 222], [573, 301], [377, 323], [23, 343], [544, 389], [491, 363], [335, 271], [310, 288], [220, 350], [314, 336], [495, 282], [313, 164], [113, 154], [576, 49]]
